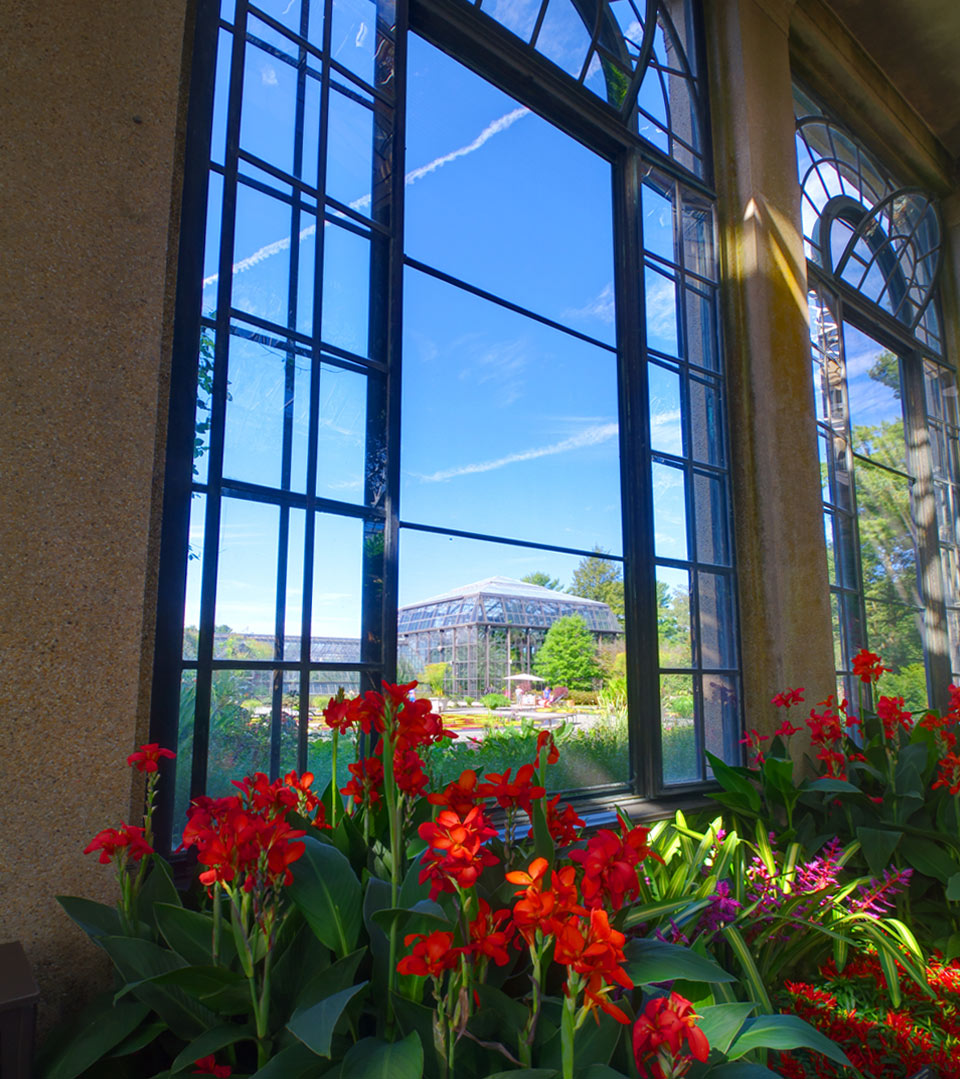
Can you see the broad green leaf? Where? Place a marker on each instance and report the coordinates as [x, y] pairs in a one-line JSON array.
[[930, 859], [741, 1069], [371, 1058], [721, 1022], [425, 917], [412, 891], [99, 1028], [95, 919], [190, 934], [314, 1026], [418, 1018], [525, 1073], [648, 912], [140, 1038], [543, 845], [600, 1071], [330, 980], [829, 785], [743, 953], [878, 846], [783, 1032], [294, 1062], [735, 780], [210, 1042], [327, 891], [953, 887], [157, 888], [651, 961]]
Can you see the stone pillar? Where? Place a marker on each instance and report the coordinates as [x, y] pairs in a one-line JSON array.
[[90, 141], [785, 618]]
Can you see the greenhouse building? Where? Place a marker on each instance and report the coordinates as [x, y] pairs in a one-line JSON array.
[[489, 631]]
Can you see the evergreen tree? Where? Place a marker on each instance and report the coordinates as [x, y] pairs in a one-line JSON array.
[[542, 579], [568, 655], [599, 578]]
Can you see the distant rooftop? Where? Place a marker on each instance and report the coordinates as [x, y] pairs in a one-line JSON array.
[[507, 601]]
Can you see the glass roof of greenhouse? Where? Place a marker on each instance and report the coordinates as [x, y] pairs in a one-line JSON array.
[[504, 601]]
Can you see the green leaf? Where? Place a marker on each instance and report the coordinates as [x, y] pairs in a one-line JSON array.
[[741, 1069], [294, 1062], [157, 888], [735, 780], [314, 1026], [330, 980], [721, 1022], [139, 1038], [784, 1032], [600, 1071], [412, 891], [425, 917], [524, 1073], [740, 949], [543, 845], [953, 887], [327, 891], [210, 1042], [371, 1058], [95, 919], [829, 785], [99, 1028], [190, 933], [930, 859], [878, 846], [651, 961]]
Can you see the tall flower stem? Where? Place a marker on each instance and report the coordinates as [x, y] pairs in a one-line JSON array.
[[525, 1043], [568, 1027], [333, 778], [393, 820]]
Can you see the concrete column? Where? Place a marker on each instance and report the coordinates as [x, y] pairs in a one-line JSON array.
[[89, 135], [785, 616]]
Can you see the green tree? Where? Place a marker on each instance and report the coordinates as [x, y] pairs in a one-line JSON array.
[[435, 675], [542, 579], [568, 655], [598, 577]]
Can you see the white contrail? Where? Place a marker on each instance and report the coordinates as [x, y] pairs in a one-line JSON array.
[[277, 246], [592, 436]]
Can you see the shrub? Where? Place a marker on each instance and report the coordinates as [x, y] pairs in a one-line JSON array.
[[582, 696], [495, 700]]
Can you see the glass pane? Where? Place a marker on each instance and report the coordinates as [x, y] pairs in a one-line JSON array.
[[702, 330], [666, 428], [240, 722], [337, 569], [266, 387], [678, 729], [342, 434], [184, 749], [350, 152], [563, 37], [669, 512], [660, 300], [875, 394], [520, 16], [218, 139], [888, 561], [323, 686], [706, 418], [710, 519], [354, 36], [697, 236], [505, 201], [261, 268], [246, 605], [659, 229], [894, 632], [191, 614], [293, 611], [289, 721], [721, 717], [673, 617], [346, 289], [269, 105], [717, 642], [528, 419], [211, 247]]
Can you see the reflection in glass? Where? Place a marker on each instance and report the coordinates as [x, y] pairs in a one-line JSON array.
[[678, 729], [660, 302], [666, 427], [191, 614], [269, 106]]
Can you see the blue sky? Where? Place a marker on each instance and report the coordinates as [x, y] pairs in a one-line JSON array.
[[509, 426]]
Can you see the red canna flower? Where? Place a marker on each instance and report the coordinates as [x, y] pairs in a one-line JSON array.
[[593, 949], [456, 855], [408, 772], [209, 1066], [660, 1034], [891, 714], [564, 825], [460, 795], [367, 782], [487, 939], [518, 794], [308, 803], [340, 714], [826, 726], [754, 739], [432, 954], [788, 697], [147, 758], [545, 739], [948, 774], [785, 729], [867, 666], [126, 842], [541, 908], [610, 866]]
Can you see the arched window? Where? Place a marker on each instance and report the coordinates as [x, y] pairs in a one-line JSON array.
[[455, 293], [886, 408]]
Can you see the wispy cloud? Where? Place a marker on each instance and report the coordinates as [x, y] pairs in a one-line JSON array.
[[592, 436], [661, 311], [503, 365], [602, 307], [268, 75], [494, 128]]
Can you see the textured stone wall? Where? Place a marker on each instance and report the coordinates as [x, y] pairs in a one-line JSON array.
[[88, 167]]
